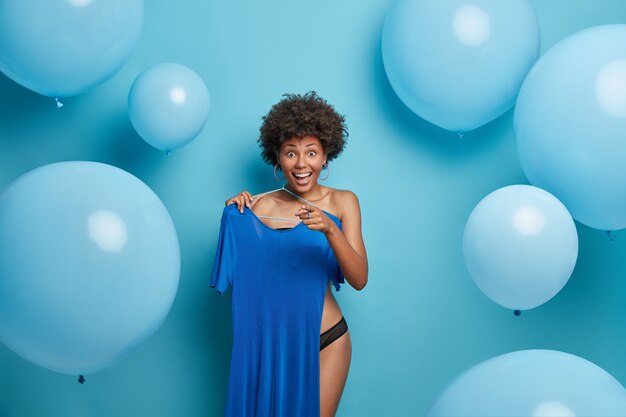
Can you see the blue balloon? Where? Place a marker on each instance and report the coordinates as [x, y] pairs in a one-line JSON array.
[[534, 383], [89, 265], [459, 64], [168, 105], [570, 125], [64, 48], [520, 246]]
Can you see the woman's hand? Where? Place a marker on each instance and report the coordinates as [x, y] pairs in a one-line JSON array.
[[315, 219], [242, 199]]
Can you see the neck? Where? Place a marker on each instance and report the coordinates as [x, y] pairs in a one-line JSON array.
[[313, 194]]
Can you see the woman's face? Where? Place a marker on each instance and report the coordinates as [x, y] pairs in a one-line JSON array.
[[301, 160]]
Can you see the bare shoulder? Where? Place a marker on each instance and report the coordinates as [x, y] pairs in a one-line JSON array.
[[345, 203], [265, 204]]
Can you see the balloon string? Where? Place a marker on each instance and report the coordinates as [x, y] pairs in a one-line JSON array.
[[59, 104]]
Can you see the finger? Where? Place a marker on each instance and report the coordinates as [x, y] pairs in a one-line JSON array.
[[312, 224], [309, 217], [241, 198], [240, 203], [308, 207], [255, 199], [303, 214], [248, 197]]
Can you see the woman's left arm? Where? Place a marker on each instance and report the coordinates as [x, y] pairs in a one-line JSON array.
[[348, 246]]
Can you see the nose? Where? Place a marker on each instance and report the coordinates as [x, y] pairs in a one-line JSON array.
[[301, 161]]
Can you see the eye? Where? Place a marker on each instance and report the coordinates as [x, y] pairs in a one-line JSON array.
[[290, 153], [312, 153]]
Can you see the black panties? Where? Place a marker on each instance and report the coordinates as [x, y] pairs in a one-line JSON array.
[[334, 333]]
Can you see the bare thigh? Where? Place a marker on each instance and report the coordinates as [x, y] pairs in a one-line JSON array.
[[334, 365]]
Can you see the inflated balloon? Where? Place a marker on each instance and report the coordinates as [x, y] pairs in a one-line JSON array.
[[534, 383], [459, 64], [570, 124], [64, 48], [168, 105], [89, 265], [520, 246]]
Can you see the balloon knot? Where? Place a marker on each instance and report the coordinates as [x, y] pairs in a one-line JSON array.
[[168, 152], [611, 235], [81, 379], [460, 135], [59, 104], [517, 313]]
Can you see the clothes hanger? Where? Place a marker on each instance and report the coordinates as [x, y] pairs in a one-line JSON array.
[[283, 189]]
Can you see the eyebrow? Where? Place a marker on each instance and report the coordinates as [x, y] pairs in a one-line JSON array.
[[310, 144]]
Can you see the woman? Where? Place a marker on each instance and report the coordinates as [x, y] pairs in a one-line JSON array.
[[299, 136]]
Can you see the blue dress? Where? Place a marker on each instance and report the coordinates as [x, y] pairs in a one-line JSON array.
[[278, 279]]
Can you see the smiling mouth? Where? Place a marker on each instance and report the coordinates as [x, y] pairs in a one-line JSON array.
[[303, 179]]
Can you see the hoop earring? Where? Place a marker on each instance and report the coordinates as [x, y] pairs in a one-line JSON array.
[[327, 172], [276, 176]]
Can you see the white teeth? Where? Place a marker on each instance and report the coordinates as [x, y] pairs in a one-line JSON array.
[[302, 175]]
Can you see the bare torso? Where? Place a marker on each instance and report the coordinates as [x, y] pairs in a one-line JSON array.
[[332, 312]]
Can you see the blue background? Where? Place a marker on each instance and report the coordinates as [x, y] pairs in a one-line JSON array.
[[421, 320]]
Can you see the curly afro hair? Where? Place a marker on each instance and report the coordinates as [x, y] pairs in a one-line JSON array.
[[299, 116]]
